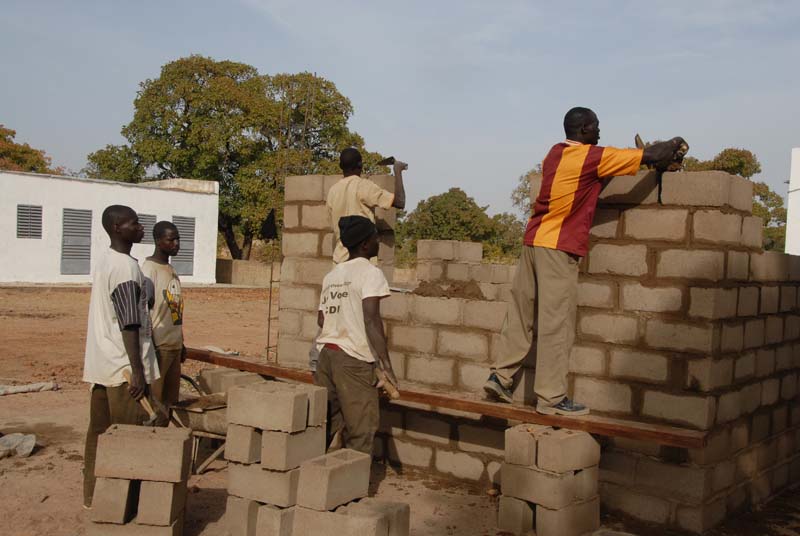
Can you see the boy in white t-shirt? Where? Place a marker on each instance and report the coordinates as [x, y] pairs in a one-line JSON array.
[[118, 337], [352, 337]]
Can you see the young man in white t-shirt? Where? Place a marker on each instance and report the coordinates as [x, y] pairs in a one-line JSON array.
[[166, 315], [118, 337], [352, 337]]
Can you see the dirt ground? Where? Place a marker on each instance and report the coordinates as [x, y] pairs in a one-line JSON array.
[[43, 336]]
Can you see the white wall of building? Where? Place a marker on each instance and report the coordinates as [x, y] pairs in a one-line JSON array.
[[793, 206], [26, 260]]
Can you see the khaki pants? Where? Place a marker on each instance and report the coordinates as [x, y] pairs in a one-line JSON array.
[[547, 279], [167, 388], [352, 397], [107, 406]]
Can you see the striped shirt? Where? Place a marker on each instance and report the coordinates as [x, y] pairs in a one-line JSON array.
[[572, 177]]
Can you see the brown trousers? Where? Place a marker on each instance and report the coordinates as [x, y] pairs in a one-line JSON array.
[[166, 389], [107, 406], [547, 279], [352, 397]]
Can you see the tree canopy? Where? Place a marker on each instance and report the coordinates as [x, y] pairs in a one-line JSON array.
[[21, 156], [223, 121]]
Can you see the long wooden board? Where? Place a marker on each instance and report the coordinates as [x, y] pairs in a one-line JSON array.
[[595, 424]]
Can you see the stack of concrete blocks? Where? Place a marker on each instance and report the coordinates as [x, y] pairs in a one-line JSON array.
[[307, 242], [684, 320], [331, 499], [273, 427], [451, 260], [222, 379], [549, 481], [141, 481]]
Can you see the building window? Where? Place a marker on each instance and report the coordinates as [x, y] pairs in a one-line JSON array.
[[183, 262], [148, 221], [29, 221], [76, 242]]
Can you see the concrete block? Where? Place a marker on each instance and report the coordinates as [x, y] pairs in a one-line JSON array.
[[243, 444], [618, 467], [635, 503], [396, 307], [602, 395], [708, 374], [656, 224], [430, 270], [636, 297], [289, 322], [300, 244], [723, 475], [126, 451], [565, 450], [307, 271], [738, 265], [428, 310], [333, 479], [788, 298], [605, 224], [304, 188], [385, 219], [515, 515], [696, 411], [308, 521], [784, 357], [132, 529], [278, 488], [317, 403], [741, 194], [618, 260], [457, 271], [573, 520], [682, 482], [161, 503], [748, 301], [639, 189], [752, 232], [471, 377], [774, 329], [608, 327], [408, 453], [484, 314], [220, 380], [699, 519], [293, 351], [600, 294], [520, 443], [238, 377], [436, 249], [430, 370], [274, 521], [587, 360], [646, 366], [327, 243], [502, 273], [432, 429], [751, 397], [481, 439], [241, 516], [729, 407], [696, 264], [792, 330], [548, 489], [412, 338], [301, 298], [769, 266], [291, 216], [716, 227], [398, 514], [269, 406], [458, 464], [696, 188], [712, 303], [732, 339], [469, 251], [686, 337], [114, 500], [789, 387], [770, 298], [463, 344], [315, 217], [281, 451], [770, 391], [754, 333]]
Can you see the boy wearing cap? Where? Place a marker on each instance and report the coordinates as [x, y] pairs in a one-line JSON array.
[[352, 336]]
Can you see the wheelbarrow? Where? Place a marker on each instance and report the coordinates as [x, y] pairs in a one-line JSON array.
[[206, 416]]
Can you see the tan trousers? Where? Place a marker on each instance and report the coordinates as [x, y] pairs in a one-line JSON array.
[[166, 389], [547, 279], [107, 406], [352, 397]]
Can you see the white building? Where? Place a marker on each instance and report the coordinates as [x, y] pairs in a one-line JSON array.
[[793, 206], [50, 228]]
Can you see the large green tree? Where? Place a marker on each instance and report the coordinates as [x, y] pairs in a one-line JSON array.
[[21, 156], [223, 121], [767, 204]]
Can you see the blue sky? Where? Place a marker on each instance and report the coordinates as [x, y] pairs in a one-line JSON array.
[[470, 93]]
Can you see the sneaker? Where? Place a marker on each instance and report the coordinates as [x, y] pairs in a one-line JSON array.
[[566, 407], [495, 389]]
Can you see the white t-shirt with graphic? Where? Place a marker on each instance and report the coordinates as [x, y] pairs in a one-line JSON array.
[[119, 299], [343, 290], [167, 311]]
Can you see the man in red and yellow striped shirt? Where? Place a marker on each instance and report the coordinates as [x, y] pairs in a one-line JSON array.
[[556, 237]]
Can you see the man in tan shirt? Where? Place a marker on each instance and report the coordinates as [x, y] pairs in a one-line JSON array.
[[355, 196]]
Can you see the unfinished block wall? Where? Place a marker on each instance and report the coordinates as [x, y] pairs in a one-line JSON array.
[[683, 319]]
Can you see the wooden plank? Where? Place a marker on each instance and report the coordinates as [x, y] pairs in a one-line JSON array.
[[595, 424]]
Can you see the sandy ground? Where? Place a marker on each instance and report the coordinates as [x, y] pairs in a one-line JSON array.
[[43, 336]]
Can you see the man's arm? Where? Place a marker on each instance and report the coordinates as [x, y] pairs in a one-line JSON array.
[[399, 189], [130, 339], [320, 319], [376, 336], [125, 299], [663, 153]]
